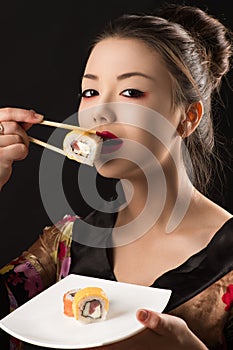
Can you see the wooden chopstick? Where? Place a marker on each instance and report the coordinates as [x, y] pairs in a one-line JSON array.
[[58, 125], [66, 126], [46, 145]]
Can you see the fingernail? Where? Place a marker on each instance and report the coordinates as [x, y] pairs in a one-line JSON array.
[[143, 315], [38, 116]]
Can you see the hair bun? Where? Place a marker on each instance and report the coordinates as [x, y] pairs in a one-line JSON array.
[[212, 35]]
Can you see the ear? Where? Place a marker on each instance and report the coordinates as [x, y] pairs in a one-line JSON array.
[[193, 117], [190, 119]]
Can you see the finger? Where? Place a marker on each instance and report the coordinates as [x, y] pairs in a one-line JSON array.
[[14, 152], [14, 128], [162, 324], [26, 126], [148, 319], [20, 115], [7, 140]]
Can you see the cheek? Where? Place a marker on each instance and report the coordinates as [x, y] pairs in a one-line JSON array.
[[149, 148], [85, 116], [153, 144], [160, 103]]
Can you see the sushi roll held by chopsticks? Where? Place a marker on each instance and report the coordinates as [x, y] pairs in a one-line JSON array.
[[80, 144], [84, 148]]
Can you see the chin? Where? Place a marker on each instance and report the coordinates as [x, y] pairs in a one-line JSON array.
[[116, 168]]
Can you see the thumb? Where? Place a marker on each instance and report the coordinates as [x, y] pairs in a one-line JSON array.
[[172, 327], [26, 126], [161, 324]]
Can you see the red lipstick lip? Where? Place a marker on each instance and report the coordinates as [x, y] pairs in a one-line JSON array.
[[111, 142], [109, 146], [106, 135]]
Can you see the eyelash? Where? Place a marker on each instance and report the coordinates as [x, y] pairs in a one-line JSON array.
[[136, 93], [83, 94]]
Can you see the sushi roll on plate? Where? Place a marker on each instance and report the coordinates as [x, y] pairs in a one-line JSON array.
[[90, 304], [87, 305], [68, 299]]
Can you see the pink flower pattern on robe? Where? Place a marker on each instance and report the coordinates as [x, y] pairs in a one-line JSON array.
[[227, 298]]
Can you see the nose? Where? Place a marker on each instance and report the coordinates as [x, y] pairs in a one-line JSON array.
[[103, 114], [97, 115]]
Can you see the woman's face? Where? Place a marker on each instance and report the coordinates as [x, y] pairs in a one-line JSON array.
[[126, 77]]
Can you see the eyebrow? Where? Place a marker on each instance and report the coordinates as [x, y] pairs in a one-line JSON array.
[[132, 74], [120, 77], [90, 76]]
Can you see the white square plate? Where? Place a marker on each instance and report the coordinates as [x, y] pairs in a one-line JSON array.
[[41, 320]]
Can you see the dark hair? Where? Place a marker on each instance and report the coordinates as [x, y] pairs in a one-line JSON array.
[[196, 49]]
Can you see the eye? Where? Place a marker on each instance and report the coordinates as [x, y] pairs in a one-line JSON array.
[[134, 93], [89, 93]]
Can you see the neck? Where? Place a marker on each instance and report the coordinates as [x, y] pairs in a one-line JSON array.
[[160, 196]]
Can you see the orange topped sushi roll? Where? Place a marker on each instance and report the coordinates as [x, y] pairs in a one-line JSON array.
[[90, 304], [68, 298]]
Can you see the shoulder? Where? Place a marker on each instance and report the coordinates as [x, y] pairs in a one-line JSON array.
[[61, 228], [209, 217], [65, 225], [57, 237], [60, 237]]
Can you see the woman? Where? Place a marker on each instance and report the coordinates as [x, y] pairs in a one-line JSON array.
[[149, 82]]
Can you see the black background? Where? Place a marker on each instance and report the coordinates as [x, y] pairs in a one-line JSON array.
[[43, 51]]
